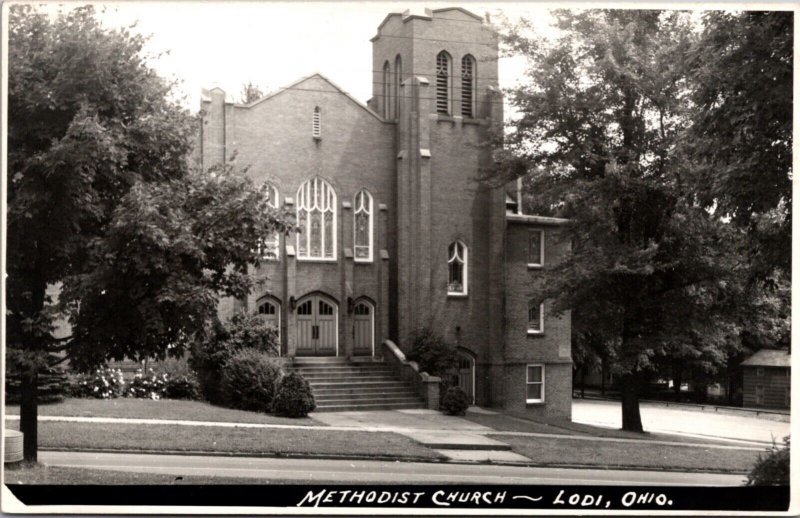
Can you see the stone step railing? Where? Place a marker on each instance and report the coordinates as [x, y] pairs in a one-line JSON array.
[[427, 386]]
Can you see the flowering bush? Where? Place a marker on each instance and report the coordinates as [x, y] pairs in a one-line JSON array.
[[104, 383], [149, 385]]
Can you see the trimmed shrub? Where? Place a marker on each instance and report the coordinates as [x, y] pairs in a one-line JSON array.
[[294, 397], [454, 402], [434, 355], [248, 380], [104, 383], [771, 469], [184, 386], [53, 386], [209, 356]]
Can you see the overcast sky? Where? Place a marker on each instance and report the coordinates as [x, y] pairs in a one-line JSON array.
[[273, 44]]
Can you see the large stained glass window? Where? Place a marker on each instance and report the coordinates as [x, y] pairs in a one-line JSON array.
[[363, 226], [316, 217]]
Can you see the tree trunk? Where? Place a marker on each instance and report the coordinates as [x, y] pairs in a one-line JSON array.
[[583, 381], [28, 411], [603, 376], [677, 379], [29, 379], [631, 417]]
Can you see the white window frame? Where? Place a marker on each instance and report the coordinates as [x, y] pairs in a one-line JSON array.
[[327, 206], [274, 201], [528, 382], [358, 207], [464, 268], [541, 249], [532, 331]]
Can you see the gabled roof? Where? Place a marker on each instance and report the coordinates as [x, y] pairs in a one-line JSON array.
[[769, 358], [306, 78]]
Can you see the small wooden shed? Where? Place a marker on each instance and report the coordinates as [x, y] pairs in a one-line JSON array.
[[767, 377]]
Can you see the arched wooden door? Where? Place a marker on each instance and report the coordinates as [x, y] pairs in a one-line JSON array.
[[317, 329], [466, 375], [270, 311], [363, 328]]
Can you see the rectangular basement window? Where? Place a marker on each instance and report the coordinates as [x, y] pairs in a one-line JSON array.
[[534, 383]]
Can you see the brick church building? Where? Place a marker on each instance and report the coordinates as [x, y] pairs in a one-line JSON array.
[[396, 234]]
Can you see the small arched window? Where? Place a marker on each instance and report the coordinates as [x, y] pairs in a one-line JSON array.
[[443, 83], [457, 267], [535, 317], [398, 78], [316, 217], [387, 85], [362, 216], [468, 76], [316, 123], [270, 247]]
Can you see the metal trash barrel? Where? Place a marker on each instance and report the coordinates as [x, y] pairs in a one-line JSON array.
[[13, 444]]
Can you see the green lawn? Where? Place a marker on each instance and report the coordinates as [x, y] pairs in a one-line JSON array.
[[512, 423], [166, 438], [40, 474], [161, 409], [560, 451]]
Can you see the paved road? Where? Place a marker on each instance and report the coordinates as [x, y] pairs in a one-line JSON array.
[[351, 471], [657, 418]]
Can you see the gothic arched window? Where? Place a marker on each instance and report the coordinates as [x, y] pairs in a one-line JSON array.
[[387, 85], [316, 217], [468, 75], [270, 247], [535, 317], [457, 263], [443, 83], [398, 78], [362, 216]]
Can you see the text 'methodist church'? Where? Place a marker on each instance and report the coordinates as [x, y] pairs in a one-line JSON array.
[[396, 233]]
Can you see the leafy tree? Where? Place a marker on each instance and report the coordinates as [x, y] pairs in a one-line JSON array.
[[740, 139], [250, 93], [650, 269], [101, 198]]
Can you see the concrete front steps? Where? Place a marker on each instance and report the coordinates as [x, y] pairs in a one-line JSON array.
[[340, 385]]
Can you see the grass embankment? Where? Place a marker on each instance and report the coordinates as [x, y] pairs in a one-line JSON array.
[[511, 423], [41, 474], [604, 454], [211, 439], [161, 409]]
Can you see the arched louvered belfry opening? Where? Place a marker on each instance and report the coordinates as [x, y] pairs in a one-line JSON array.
[[443, 77], [468, 83]]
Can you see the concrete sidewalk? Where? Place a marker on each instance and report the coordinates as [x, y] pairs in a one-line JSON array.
[[407, 422]]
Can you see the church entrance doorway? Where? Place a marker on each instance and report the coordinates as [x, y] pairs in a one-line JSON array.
[[317, 326]]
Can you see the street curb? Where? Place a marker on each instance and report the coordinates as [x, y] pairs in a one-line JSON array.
[[389, 458]]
